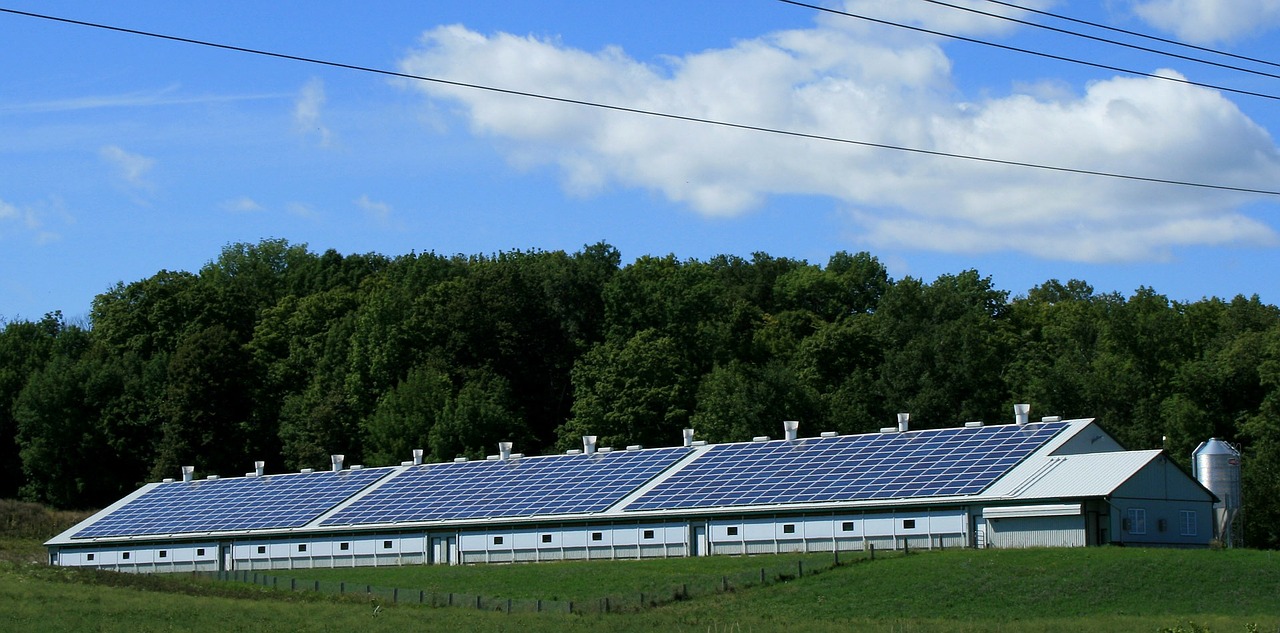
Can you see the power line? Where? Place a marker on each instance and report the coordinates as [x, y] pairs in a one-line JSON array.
[[1102, 39], [1028, 51], [630, 110], [1153, 38]]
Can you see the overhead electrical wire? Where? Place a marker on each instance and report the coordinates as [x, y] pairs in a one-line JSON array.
[[1027, 51], [638, 111], [1147, 36], [1104, 40]]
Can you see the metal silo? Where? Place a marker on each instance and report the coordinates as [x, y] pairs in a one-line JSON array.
[[1216, 465]]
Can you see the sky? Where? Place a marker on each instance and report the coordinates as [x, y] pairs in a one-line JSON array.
[[123, 155]]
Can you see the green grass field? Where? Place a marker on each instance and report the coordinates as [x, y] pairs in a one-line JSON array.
[[1109, 589], [1102, 589]]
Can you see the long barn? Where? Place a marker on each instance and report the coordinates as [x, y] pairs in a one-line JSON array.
[[1030, 483]]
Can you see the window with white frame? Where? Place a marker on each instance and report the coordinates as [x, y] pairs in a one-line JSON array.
[[1137, 521], [1189, 522]]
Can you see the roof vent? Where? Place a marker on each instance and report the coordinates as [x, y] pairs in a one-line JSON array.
[[904, 422], [417, 457], [605, 449], [167, 480], [760, 438], [493, 458], [699, 443], [406, 463], [634, 447], [212, 477], [459, 460], [1021, 413], [973, 425], [188, 472], [589, 444], [828, 434], [688, 437], [337, 461], [888, 429], [1051, 418], [307, 471], [504, 450], [357, 467], [259, 468], [790, 429], [573, 451]]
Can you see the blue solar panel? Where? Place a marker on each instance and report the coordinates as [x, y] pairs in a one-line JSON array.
[[881, 466], [553, 484], [213, 505]]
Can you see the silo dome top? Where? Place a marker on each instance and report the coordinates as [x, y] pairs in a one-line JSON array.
[[1214, 446]]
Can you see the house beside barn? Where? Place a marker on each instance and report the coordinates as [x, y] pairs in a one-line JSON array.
[[1052, 482]]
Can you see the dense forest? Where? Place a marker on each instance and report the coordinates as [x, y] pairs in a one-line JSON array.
[[273, 352]]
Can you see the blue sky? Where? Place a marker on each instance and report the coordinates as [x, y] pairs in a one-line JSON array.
[[121, 155]]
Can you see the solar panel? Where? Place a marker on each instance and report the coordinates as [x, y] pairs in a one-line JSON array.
[[213, 505], [553, 484], [880, 466]]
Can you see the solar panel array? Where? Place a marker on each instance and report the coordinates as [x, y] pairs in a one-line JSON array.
[[527, 486], [214, 505], [892, 465]]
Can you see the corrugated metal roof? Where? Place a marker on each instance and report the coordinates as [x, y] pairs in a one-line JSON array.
[[1084, 475]]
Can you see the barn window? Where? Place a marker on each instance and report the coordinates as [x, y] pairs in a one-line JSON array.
[[386, 545], [597, 536], [497, 540], [789, 528], [1136, 518], [262, 549], [344, 546], [200, 551], [732, 530], [125, 556], [89, 557], [648, 533], [302, 547], [546, 538], [908, 524], [164, 554], [1189, 523], [847, 526]]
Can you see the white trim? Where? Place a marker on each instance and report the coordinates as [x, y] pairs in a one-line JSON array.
[[1047, 510]]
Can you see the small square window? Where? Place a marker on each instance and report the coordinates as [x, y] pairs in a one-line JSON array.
[[732, 530], [497, 540], [847, 526], [546, 538], [89, 557], [789, 528], [386, 545], [200, 551], [302, 547], [648, 534], [262, 549], [164, 554], [908, 524], [597, 536], [344, 546], [125, 556]]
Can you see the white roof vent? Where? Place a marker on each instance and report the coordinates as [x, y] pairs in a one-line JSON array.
[[973, 425], [259, 467], [167, 480], [459, 460], [760, 438], [699, 443], [688, 437], [307, 471], [828, 434], [417, 457], [790, 429], [888, 429], [589, 444], [188, 473], [337, 461], [1021, 414], [1051, 418], [212, 477], [504, 450], [904, 422], [573, 451], [634, 447]]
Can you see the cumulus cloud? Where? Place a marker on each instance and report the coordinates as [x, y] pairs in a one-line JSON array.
[[379, 211], [132, 168], [1210, 21], [307, 112], [838, 82], [243, 204]]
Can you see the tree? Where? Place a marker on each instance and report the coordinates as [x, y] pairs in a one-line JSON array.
[[477, 419], [405, 416]]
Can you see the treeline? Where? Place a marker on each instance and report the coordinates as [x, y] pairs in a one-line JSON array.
[[277, 353]]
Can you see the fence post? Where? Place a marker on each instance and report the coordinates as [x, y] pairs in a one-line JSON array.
[[906, 546], [451, 598], [799, 569], [293, 584], [508, 606], [570, 606], [872, 548], [539, 605], [395, 595], [477, 602], [317, 586], [422, 596], [837, 551], [342, 587], [606, 605], [724, 583]]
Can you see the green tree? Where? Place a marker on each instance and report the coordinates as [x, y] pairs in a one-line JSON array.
[[405, 416]]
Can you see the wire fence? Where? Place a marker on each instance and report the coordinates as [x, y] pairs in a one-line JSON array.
[[767, 574]]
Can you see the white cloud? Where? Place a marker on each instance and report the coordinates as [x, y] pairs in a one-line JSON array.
[[1210, 21], [300, 209], [839, 83], [307, 112], [32, 220], [242, 204], [132, 168], [379, 211]]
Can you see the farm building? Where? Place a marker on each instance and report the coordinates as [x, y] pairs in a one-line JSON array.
[[1047, 483]]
